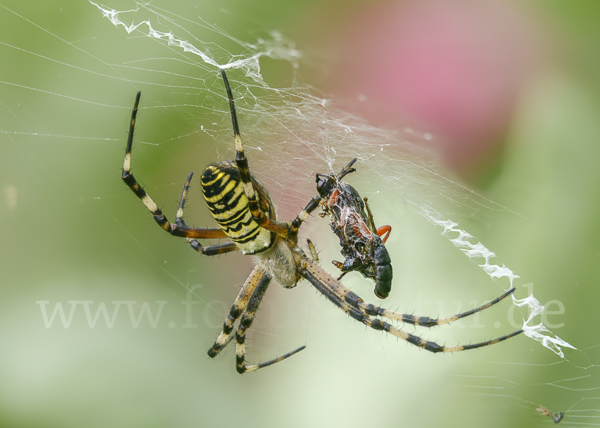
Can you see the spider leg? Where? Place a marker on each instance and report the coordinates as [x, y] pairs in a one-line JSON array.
[[246, 305], [313, 251], [240, 335], [303, 215], [211, 250], [371, 309], [347, 302], [129, 179], [258, 277], [241, 161], [314, 202]]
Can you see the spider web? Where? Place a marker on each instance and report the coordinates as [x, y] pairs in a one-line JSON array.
[[73, 118]]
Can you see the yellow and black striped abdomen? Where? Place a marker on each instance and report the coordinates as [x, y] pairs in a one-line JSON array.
[[228, 204]]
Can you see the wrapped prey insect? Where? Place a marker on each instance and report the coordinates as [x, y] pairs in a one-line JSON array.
[[362, 244]]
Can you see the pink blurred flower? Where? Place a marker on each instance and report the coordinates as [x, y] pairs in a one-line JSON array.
[[453, 68]]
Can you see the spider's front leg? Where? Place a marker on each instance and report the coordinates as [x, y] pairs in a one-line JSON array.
[[245, 306], [354, 306], [422, 321], [240, 335], [257, 279]]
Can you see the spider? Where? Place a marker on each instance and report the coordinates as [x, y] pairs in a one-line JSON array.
[[359, 238], [246, 215], [556, 417]]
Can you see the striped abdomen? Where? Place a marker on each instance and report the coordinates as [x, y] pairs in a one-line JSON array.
[[228, 204]]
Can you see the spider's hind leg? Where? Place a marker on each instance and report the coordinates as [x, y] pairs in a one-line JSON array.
[[174, 229], [241, 162], [211, 250]]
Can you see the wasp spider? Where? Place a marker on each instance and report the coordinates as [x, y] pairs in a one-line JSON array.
[[246, 216]]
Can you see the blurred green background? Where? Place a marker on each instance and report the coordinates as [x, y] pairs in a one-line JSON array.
[[72, 232]]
